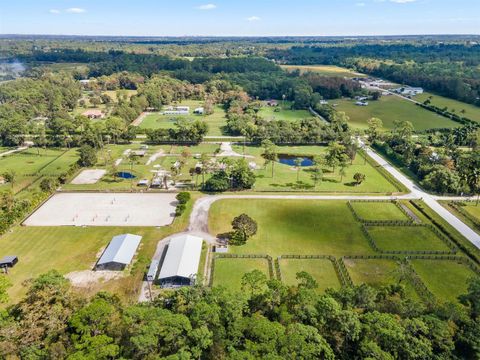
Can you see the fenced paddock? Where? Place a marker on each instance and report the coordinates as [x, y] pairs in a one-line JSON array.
[[105, 209]]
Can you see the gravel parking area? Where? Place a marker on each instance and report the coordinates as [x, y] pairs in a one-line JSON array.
[[91, 176]]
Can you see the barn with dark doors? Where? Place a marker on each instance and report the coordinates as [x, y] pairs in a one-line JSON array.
[[181, 261], [119, 253]]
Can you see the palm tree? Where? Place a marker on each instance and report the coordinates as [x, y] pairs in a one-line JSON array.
[[298, 163], [342, 173]]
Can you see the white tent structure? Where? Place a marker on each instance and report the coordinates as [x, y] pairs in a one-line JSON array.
[[119, 253], [181, 261]]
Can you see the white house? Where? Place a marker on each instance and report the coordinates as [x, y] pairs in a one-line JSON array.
[[361, 103]]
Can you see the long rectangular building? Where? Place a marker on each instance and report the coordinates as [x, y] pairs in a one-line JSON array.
[[181, 261], [119, 253]]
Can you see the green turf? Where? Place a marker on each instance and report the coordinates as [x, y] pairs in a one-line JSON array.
[[321, 270], [377, 273], [303, 227], [203, 259], [378, 211], [228, 272], [285, 177], [389, 109], [280, 113], [326, 70], [473, 210], [216, 121], [471, 111], [32, 164], [444, 278], [403, 238], [64, 248]]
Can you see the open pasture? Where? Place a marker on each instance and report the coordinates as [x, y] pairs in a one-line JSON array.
[[375, 211], [326, 70], [229, 271], [280, 112], [389, 109], [460, 108]]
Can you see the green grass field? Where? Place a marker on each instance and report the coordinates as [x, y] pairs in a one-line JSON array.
[[389, 109], [32, 164], [471, 111], [285, 176], [376, 272], [300, 227], [216, 121], [444, 278], [285, 114], [326, 70], [321, 270], [403, 238], [229, 271], [378, 211], [473, 210]]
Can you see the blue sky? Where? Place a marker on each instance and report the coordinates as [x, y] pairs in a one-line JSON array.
[[239, 17]]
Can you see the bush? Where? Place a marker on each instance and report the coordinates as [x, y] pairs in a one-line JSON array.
[[48, 185], [183, 197], [218, 182], [180, 209]]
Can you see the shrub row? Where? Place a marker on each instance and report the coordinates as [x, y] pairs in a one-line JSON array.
[[399, 186], [459, 119]]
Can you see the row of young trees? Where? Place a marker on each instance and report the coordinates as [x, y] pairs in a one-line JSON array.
[[266, 319]]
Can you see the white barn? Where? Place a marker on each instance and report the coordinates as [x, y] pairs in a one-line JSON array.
[[181, 261], [119, 253]]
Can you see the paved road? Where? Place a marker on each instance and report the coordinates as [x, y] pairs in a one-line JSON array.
[[430, 200], [21, 148]]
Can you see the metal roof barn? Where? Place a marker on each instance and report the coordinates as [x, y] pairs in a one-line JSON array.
[[181, 261], [119, 253]]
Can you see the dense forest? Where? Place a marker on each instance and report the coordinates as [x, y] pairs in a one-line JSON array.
[[265, 320]]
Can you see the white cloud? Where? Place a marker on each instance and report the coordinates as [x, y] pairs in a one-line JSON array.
[[207, 7], [402, 1], [75, 10], [361, 4], [253, 18], [54, 11]]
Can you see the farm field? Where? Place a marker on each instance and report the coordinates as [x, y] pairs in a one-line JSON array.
[[285, 176], [273, 113], [321, 270], [215, 121], [471, 111], [405, 238], [389, 109], [32, 164], [446, 279], [376, 272], [229, 271], [308, 227], [327, 70], [378, 211]]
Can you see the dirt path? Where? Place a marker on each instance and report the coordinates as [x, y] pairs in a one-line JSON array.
[[140, 118], [226, 150], [21, 148]]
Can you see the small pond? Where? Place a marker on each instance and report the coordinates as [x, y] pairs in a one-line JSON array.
[[125, 175], [289, 160]]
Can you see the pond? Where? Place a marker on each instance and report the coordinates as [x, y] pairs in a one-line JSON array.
[[125, 175], [289, 160]]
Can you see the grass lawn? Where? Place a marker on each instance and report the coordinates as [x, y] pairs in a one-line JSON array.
[[30, 165], [228, 272], [403, 238], [321, 270], [326, 70], [278, 113], [285, 176], [473, 210], [216, 121], [203, 259], [471, 111], [389, 109], [377, 273], [69, 248], [378, 211], [444, 278], [303, 227]]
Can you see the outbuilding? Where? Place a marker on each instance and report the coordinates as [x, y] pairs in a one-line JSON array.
[[181, 261], [8, 261], [153, 270], [119, 253]]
